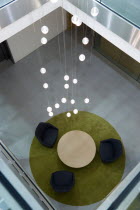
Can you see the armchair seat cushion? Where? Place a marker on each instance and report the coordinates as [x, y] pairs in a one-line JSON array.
[[110, 150], [62, 181], [50, 136], [106, 151], [46, 134]]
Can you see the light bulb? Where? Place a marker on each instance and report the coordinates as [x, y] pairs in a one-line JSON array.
[[85, 40], [66, 77], [53, 1], [44, 29], [66, 86], [50, 114], [86, 100], [44, 40], [45, 85], [74, 19], [68, 114], [75, 111], [75, 81], [82, 57], [49, 109], [57, 106], [63, 100], [94, 11], [42, 70], [72, 101], [79, 22]]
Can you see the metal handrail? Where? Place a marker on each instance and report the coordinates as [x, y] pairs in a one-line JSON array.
[[9, 155]]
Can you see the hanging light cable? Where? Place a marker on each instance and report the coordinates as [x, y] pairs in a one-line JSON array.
[[64, 40]]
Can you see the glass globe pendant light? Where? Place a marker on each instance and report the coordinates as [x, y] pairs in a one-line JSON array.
[[66, 86], [75, 81], [68, 114], [94, 11], [75, 111], [45, 85], [44, 29], [57, 106], [63, 100], [72, 101], [50, 114], [44, 40], [74, 19], [66, 77], [86, 100], [82, 57], [49, 109], [79, 22], [85, 40], [42, 70]]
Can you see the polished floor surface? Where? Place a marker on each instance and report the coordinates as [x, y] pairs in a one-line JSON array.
[[23, 101]]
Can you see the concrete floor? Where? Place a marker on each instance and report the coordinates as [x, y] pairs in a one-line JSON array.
[[23, 101]]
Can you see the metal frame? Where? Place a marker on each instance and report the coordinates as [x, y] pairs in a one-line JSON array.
[[11, 158], [17, 9], [113, 22], [118, 14], [8, 3]]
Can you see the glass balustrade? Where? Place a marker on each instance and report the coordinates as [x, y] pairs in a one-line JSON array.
[[5, 2], [130, 10]]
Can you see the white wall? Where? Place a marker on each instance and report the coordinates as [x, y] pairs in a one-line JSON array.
[[28, 40]]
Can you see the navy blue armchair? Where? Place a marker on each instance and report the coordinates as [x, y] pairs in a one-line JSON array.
[[110, 150], [62, 181], [46, 134]]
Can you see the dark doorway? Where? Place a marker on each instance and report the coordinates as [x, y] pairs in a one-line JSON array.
[[4, 51]]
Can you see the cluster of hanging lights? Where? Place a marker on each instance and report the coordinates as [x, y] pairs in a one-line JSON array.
[[44, 29]]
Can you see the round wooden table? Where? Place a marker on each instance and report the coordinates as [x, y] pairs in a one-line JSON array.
[[76, 149]]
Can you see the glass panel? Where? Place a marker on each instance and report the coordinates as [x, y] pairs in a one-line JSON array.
[[5, 2], [12, 179], [6, 200], [130, 10]]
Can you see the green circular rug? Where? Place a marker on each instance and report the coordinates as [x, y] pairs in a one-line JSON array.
[[93, 182]]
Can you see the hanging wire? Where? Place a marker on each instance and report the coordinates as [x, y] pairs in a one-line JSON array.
[[58, 39], [39, 53], [65, 59], [86, 31], [92, 43], [72, 58], [64, 40], [59, 48], [86, 17]]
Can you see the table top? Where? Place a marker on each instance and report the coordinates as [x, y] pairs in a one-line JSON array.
[[76, 149]]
